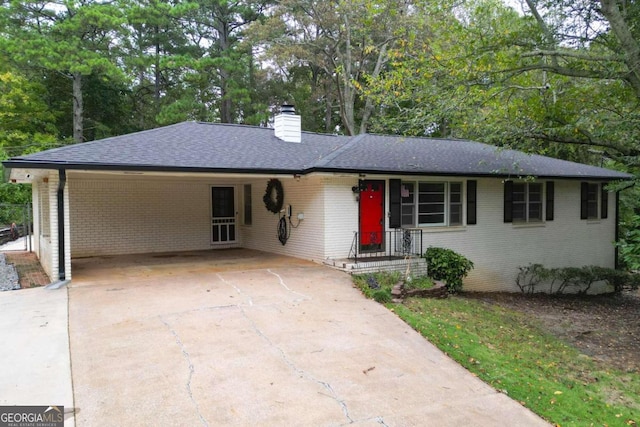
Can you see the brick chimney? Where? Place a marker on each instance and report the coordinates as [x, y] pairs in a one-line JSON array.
[[287, 125]]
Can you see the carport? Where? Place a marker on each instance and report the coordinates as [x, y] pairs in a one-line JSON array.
[[242, 337]]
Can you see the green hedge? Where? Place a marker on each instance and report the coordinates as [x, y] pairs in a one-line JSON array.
[[448, 266]]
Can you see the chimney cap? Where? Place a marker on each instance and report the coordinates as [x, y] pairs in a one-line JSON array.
[[287, 109]]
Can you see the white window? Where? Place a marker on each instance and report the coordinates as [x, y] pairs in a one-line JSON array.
[[527, 201], [248, 207], [592, 200], [431, 203]]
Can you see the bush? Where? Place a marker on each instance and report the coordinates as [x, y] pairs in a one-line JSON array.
[[448, 266], [629, 244], [531, 278]]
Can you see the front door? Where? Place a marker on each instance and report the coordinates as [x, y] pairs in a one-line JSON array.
[[223, 215], [371, 215]]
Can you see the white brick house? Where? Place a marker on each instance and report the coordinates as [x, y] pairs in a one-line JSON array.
[[200, 186]]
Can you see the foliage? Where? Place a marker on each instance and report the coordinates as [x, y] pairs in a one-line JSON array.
[[420, 282], [377, 286], [343, 45], [448, 266], [537, 278], [629, 244], [557, 78], [511, 352]]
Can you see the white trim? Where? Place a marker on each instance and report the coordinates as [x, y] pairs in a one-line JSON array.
[[233, 219]]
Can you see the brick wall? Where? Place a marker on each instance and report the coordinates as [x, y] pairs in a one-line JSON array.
[[496, 248], [305, 195], [120, 215]]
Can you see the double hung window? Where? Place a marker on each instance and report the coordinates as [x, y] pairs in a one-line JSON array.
[[528, 202], [594, 200], [431, 203]]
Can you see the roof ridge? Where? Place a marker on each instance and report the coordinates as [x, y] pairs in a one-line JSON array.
[[331, 156]]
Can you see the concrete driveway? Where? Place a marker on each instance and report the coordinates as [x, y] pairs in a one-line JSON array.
[[241, 337]]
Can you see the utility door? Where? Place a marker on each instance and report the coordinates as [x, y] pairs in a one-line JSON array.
[[371, 215], [223, 215]]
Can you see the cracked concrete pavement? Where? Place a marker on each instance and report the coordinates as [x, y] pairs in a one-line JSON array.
[[247, 338]]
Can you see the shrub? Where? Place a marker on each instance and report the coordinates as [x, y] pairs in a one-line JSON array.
[[530, 277], [448, 266], [573, 279], [629, 244]]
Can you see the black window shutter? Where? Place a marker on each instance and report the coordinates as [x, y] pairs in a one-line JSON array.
[[508, 201], [604, 200], [584, 190], [472, 190], [395, 203], [550, 196]]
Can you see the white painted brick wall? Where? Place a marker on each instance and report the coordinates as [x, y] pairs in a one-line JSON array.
[[125, 214], [307, 240], [120, 215], [496, 248], [342, 215], [42, 221]]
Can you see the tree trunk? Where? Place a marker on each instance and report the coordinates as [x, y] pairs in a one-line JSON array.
[[226, 105], [156, 71], [347, 93], [78, 108], [630, 46]]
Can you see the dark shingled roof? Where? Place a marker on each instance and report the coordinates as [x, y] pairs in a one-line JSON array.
[[208, 147]]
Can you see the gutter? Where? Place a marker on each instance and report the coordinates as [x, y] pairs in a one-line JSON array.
[[62, 280], [60, 166]]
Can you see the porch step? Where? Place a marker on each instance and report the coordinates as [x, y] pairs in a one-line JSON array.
[[417, 265]]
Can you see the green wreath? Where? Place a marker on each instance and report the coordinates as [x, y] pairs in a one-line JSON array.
[[274, 204]]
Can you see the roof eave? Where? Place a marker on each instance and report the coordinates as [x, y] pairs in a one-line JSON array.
[[466, 174], [25, 164], [31, 164]]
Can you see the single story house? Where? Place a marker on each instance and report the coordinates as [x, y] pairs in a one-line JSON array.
[[197, 186]]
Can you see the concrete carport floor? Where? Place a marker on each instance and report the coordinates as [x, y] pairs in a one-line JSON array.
[[240, 337]]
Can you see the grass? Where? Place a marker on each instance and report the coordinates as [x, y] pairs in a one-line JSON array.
[[378, 286], [515, 355]]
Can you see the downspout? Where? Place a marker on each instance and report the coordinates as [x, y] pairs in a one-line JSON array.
[[62, 181], [616, 261]]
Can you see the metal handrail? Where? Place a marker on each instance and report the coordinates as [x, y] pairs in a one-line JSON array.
[[400, 242]]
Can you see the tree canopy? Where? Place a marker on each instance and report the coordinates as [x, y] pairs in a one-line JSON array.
[[560, 78]]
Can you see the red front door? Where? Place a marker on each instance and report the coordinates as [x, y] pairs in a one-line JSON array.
[[371, 215]]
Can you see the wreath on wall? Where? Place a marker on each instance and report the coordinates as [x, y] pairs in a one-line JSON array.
[[274, 204]]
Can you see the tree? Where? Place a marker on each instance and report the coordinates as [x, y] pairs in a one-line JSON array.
[[26, 125], [73, 38], [343, 44], [219, 68], [153, 56]]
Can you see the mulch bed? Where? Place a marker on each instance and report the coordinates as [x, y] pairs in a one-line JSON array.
[[30, 272], [605, 327]]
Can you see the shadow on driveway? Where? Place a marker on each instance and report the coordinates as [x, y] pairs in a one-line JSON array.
[[247, 338]]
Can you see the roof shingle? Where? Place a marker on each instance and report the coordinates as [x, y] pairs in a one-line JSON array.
[[194, 146]]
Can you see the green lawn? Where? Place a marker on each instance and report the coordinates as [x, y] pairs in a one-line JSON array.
[[514, 354]]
